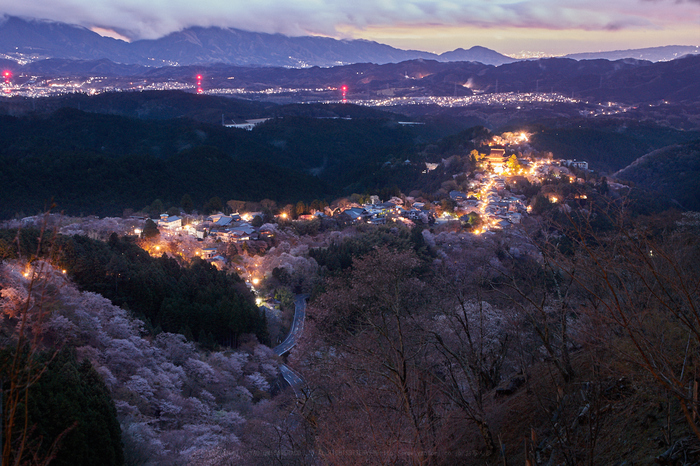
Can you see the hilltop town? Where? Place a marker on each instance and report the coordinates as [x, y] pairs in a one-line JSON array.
[[499, 194]]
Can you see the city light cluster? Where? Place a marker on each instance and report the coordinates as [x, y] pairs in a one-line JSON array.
[[502, 98]]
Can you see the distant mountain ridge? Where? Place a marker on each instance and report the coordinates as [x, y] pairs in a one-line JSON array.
[[665, 53], [625, 81], [36, 39], [31, 39], [477, 54]]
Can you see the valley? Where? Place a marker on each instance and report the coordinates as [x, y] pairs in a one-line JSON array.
[[492, 262]]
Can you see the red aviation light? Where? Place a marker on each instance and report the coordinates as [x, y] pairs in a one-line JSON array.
[[7, 74], [199, 84]]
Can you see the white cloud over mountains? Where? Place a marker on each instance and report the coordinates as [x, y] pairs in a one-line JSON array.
[[155, 18]]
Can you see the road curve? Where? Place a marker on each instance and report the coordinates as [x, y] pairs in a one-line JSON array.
[[291, 377], [297, 326]]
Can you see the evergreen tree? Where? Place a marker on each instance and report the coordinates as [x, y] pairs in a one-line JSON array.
[[150, 229], [71, 399], [187, 204]]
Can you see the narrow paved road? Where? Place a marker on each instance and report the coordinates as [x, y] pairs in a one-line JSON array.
[[292, 378], [297, 326]]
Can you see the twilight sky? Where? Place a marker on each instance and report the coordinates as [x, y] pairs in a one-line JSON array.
[[508, 26]]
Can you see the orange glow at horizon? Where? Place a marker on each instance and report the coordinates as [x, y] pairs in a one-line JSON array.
[[511, 40], [104, 32]]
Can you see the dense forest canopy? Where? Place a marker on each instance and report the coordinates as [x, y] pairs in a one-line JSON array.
[[104, 163], [197, 300], [607, 145]]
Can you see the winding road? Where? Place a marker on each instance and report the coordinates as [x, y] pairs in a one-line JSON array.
[[297, 326], [291, 377]]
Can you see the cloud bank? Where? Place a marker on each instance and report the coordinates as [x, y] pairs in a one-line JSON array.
[[137, 19]]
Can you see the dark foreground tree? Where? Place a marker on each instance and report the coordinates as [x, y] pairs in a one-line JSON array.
[[642, 287], [71, 395], [378, 367]]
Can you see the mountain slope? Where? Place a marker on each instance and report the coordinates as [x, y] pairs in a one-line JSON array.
[[672, 170], [477, 54], [632, 82], [33, 39], [234, 46], [48, 39], [669, 52]]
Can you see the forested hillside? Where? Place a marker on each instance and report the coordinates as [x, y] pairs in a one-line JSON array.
[[607, 145], [500, 349], [103, 164], [174, 403], [196, 300], [673, 170]]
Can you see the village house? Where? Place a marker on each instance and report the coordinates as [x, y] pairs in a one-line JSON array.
[[458, 196], [412, 213], [576, 164], [266, 232], [352, 216], [209, 253], [170, 222]]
